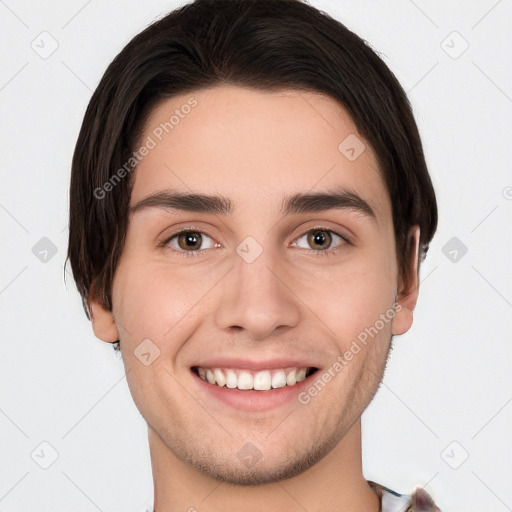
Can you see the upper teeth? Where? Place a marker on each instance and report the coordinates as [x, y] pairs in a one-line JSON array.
[[246, 379]]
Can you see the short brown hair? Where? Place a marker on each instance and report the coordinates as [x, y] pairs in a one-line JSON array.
[[261, 44]]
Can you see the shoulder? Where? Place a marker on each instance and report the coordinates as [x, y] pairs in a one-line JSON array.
[[391, 501]]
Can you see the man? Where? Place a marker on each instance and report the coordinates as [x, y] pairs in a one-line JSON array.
[[249, 207]]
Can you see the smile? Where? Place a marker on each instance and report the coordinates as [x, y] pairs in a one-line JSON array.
[[245, 380]]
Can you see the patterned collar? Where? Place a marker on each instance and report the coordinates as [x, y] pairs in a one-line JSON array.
[[391, 501]]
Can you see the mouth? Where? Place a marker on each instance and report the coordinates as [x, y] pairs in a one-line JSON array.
[[249, 380]]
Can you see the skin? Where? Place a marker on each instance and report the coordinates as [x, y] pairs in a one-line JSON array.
[[255, 148]]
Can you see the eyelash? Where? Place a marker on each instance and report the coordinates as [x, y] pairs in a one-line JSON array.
[[197, 252]]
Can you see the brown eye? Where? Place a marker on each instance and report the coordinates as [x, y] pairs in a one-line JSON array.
[[319, 239], [189, 240]]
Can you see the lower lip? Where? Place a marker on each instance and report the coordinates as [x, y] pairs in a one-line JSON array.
[[251, 400]]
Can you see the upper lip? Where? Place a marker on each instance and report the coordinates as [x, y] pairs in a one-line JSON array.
[[255, 364]]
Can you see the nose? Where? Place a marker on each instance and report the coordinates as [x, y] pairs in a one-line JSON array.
[[258, 298]]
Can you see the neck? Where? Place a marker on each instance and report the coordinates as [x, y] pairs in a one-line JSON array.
[[335, 483]]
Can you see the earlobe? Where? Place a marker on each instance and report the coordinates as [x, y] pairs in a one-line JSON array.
[[103, 323], [407, 295]]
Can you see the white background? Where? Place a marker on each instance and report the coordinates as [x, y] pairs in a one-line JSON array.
[[448, 389]]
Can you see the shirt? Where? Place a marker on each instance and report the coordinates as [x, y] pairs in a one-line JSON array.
[[390, 501]]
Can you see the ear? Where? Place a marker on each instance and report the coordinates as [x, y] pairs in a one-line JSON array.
[[408, 287], [103, 323]]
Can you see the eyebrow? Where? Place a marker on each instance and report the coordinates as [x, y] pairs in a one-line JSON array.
[[216, 204]]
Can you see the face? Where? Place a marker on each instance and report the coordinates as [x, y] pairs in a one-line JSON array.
[[286, 278]]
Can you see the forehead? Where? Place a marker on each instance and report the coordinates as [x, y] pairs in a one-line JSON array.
[[255, 147]]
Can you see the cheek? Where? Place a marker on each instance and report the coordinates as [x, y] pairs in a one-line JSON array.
[[146, 302], [358, 293], [158, 301], [143, 291]]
